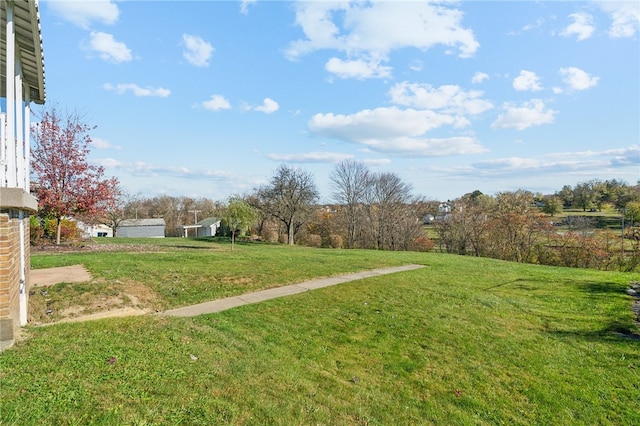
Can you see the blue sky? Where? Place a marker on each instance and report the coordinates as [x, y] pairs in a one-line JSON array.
[[208, 98]]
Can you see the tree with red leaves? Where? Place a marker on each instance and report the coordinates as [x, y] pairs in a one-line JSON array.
[[66, 185]]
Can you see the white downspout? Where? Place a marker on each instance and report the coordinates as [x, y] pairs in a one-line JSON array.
[[24, 306], [20, 159], [11, 97], [23, 266], [27, 141]]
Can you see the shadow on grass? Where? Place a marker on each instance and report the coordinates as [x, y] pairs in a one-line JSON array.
[[614, 332], [529, 284], [493, 287], [602, 288], [599, 292]]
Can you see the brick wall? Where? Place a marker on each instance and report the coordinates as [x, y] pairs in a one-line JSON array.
[[10, 273]]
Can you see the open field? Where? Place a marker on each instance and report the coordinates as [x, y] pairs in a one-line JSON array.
[[606, 219], [462, 341]]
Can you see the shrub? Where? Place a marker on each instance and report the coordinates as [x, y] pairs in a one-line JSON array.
[[314, 240], [68, 229], [36, 232], [423, 243], [269, 235], [335, 241]]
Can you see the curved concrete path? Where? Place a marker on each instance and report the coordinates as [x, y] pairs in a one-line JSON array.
[[272, 293]]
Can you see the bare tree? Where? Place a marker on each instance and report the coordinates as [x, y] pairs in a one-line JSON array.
[[386, 197], [289, 197], [349, 181]]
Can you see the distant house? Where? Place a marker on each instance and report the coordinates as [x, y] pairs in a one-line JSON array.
[[205, 228], [141, 228], [99, 230]]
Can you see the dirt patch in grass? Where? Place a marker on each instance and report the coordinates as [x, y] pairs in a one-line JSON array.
[[43, 311], [69, 294], [50, 276], [141, 296]]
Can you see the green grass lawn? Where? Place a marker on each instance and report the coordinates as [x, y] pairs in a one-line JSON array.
[[173, 272], [462, 341]]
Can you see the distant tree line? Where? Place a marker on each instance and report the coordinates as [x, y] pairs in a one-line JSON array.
[[595, 194], [515, 226]]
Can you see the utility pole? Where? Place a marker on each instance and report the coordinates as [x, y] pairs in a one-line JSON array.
[[624, 212], [195, 215]]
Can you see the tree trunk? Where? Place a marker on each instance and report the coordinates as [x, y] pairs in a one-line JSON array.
[[58, 230], [290, 236]]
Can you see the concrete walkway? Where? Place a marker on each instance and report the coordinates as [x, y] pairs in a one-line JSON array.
[[272, 293]]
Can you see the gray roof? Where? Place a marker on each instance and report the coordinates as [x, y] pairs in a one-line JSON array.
[[208, 221], [143, 222]]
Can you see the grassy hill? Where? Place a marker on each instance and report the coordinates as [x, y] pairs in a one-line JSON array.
[[462, 341]]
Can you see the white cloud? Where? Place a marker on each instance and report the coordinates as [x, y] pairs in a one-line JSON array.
[[142, 169], [527, 80], [582, 26], [625, 17], [559, 163], [311, 157], [158, 92], [380, 122], [539, 22], [369, 31], [479, 77], [426, 147], [268, 106], [83, 13], [528, 27], [416, 65], [108, 48], [394, 130], [578, 79], [511, 163], [376, 162], [448, 98], [216, 103], [198, 52], [616, 156], [244, 6], [359, 69], [532, 113], [99, 143]]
